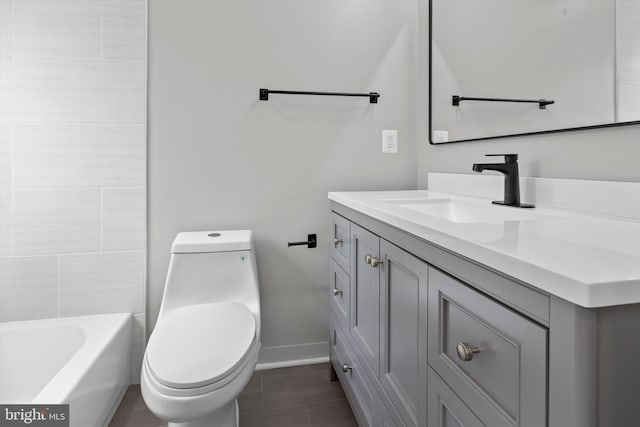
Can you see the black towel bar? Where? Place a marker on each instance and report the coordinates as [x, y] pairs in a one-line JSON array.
[[264, 94], [542, 103]]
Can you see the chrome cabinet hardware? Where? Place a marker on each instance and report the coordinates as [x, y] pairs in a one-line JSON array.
[[337, 292], [337, 242], [372, 261], [346, 368], [466, 351]]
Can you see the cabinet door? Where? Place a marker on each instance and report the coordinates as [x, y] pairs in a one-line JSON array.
[[445, 409], [403, 331], [365, 295]]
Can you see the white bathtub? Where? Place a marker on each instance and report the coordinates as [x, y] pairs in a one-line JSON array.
[[83, 361]]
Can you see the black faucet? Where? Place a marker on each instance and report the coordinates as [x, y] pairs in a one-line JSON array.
[[511, 179]]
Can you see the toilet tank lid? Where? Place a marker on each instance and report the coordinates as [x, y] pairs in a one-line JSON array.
[[212, 241]]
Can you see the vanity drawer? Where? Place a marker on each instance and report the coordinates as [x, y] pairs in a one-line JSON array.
[[341, 241], [339, 295], [505, 382], [357, 386]]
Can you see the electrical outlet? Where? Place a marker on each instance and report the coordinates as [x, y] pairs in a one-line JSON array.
[[389, 141]]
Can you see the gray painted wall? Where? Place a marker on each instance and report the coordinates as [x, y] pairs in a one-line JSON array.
[[602, 154], [219, 158]]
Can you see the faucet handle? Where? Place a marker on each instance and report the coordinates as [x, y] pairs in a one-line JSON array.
[[507, 157]]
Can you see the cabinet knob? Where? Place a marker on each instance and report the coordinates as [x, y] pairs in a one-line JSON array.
[[466, 351], [337, 292], [346, 368], [337, 242], [372, 261]]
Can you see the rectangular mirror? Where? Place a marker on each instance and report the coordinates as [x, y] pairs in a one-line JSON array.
[[520, 67]]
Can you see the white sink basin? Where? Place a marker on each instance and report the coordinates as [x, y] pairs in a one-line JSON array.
[[463, 211]]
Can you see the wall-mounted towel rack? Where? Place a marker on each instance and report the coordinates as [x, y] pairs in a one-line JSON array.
[[542, 103], [264, 94]]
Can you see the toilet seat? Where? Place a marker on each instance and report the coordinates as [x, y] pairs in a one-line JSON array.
[[213, 341]]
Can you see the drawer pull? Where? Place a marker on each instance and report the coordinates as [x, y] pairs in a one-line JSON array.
[[337, 292], [337, 242], [466, 351], [372, 261], [346, 368]]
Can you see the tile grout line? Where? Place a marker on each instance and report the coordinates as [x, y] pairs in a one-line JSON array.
[[100, 218], [13, 171], [101, 56], [59, 283], [96, 252]]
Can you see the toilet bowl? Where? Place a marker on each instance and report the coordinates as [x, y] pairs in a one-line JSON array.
[[204, 348]]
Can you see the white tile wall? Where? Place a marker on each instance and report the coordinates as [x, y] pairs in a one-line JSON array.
[[78, 155], [628, 60], [5, 155], [72, 28], [56, 221], [28, 288], [123, 29], [123, 219], [78, 90], [6, 222], [73, 160], [6, 26], [628, 103], [6, 77], [628, 15], [101, 283]]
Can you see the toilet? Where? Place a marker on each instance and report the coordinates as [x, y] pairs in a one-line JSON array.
[[205, 345]]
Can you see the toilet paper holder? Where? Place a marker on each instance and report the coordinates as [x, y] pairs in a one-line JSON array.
[[312, 242]]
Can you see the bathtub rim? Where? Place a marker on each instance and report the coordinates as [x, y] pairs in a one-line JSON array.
[[66, 380]]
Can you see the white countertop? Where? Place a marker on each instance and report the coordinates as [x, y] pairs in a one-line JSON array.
[[589, 260]]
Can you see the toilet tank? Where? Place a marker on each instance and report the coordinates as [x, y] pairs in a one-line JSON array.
[[212, 266]]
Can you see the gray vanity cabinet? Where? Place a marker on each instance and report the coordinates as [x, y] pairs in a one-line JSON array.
[[365, 296], [428, 347], [386, 342], [434, 339]]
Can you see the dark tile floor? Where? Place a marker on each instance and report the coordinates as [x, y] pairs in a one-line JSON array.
[[301, 396]]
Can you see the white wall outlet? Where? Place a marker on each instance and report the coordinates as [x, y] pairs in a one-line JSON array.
[[440, 136], [389, 141]]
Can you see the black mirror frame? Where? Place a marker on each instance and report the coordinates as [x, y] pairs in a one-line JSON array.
[[543, 132]]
